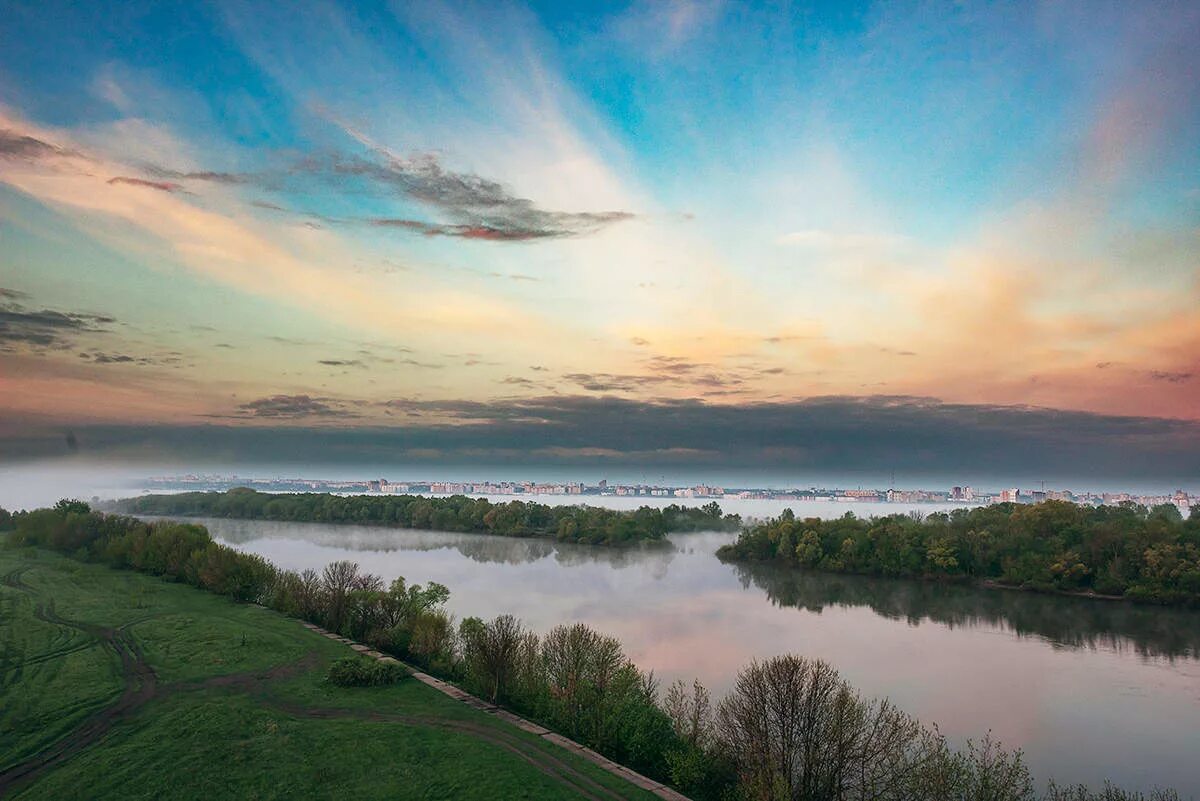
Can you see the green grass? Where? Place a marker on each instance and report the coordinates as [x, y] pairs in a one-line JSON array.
[[289, 737]]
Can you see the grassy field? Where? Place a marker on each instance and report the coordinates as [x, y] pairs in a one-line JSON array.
[[115, 684]]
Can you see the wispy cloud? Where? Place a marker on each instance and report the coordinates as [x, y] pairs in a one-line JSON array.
[[43, 328], [20, 145], [294, 407], [478, 207], [161, 186], [1171, 376]]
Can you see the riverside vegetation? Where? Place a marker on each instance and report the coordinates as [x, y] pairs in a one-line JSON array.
[[791, 728], [1124, 551], [117, 685], [459, 513]]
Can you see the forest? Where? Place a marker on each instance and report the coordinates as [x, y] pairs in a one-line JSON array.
[[568, 523], [791, 729], [1125, 551]]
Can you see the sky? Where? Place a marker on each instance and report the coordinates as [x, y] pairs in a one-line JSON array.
[[947, 236]]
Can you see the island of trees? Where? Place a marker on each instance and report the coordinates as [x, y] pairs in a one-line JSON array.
[[582, 524], [1125, 551], [791, 729]]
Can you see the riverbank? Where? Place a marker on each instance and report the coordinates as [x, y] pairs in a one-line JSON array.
[[1123, 552], [590, 525]]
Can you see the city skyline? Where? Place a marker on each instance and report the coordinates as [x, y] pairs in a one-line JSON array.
[[1180, 498], [870, 237]]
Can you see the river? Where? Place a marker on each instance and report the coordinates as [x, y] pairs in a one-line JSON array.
[[1088, 689]]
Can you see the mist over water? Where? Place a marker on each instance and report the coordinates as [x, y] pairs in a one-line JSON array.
[[31, 484]]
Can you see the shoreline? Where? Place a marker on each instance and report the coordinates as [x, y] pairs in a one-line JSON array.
[[966, 581]]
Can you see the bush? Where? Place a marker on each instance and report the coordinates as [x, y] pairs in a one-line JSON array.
[[357, 671]]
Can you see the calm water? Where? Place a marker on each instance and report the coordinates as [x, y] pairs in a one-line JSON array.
[[1088, 689]]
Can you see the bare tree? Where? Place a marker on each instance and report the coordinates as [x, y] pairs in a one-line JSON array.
[[338, 579], [1107, 793], [690, 711], [798, 732], [310, 595]]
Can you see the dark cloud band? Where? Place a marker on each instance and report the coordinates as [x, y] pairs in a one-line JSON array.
[[911, 436]]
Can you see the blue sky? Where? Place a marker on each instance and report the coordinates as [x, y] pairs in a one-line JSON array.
[[728, 203]]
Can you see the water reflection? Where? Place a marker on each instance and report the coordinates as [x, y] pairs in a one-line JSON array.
[[1062, 621], [476, 547], [1089, 689], [1071, 623]]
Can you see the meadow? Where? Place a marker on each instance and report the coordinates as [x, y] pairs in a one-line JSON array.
[[121, 685]]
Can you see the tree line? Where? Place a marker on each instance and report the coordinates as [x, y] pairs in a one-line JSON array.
[[568, 523], [791, 729], [1128, 551], [1072, 622]]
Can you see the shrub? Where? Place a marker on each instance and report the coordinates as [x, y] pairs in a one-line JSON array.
[[357, 671]]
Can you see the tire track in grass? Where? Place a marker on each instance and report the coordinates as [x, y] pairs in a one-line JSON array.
[[257, 684], [140, 686]]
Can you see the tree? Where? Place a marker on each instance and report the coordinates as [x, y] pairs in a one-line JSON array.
[[580, 665], [490, 651], [797, 732], [690, 711], [70, 506], [809, 552], [338, 579]]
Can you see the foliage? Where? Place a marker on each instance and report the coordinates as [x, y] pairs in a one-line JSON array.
[[1149, 555], [586, 524], [357, 671], [204, 736], [790, 730]]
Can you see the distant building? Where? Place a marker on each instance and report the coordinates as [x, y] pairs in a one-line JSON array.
[[1010, 495]]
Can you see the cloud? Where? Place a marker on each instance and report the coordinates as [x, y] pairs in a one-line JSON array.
[[294, 407], [918, 436], [162, 186], [423, 365], [43, 328], [610, 382], [17, 145], [487, 233], [660, 28], [211, 176], [172, 359], [479, 208], [342, 362], [1171, 377], [675, 371]]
